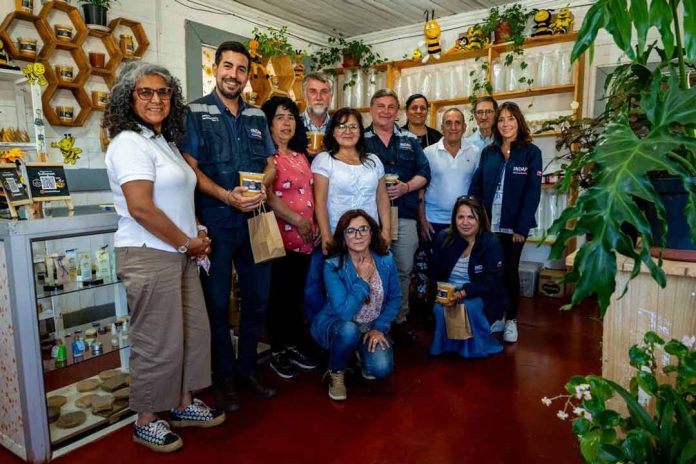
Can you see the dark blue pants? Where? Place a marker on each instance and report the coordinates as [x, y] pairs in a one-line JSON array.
[[346, 339], [228, 245]]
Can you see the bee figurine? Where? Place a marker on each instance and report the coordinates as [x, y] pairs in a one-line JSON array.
[[432, 37], [255, 58], [34, 72], [542, 23], [563, 22], [67, 148], [475, 39], [417, 54]]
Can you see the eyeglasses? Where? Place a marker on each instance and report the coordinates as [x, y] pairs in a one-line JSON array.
[[146, 93], [483, 112], [353, 231], [345, 127]]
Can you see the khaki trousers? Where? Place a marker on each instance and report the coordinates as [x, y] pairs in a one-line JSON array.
[[169, 331]]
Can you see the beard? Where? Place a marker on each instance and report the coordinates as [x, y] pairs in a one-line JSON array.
[[230, 94], [318, 109]]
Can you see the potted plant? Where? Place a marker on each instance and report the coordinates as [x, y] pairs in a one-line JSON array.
[[659, 427], [507, 24], [648, 133], [350, 53], [272, 43], [95, 11]]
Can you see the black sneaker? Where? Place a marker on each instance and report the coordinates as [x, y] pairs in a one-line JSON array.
[[197, 414], [157, 436], [280, 363], [300, 359]]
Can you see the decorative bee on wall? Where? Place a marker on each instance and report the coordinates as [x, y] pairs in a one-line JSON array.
[[67, 148], [542, 23], [34, 72], [563, 21], [431, 29]]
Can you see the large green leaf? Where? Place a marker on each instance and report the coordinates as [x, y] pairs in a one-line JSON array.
[[593, 22], [618, 24], [625, 163], [590, 443], [641, 21], [637, 412], [661, 17], [690, 30], [688, 454]]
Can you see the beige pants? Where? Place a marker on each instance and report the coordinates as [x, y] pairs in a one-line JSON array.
[[169, 330]]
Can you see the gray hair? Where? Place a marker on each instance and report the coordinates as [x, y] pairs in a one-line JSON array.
[[385, 93], [316, 76], [119, 115], [456, 110]]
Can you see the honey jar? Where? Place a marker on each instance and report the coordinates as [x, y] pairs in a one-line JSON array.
[[65, 113], [127, 45], [25, 6], [99, 99], [27, 46], [63, 32], [64, 73]]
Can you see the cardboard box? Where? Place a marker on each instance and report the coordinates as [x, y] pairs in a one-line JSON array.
[[550, 284], [529, 278]]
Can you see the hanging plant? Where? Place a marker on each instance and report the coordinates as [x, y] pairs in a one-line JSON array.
[[351, 53], [272, 43]]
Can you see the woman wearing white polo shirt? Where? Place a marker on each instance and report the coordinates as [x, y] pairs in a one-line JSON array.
[[157, 245]]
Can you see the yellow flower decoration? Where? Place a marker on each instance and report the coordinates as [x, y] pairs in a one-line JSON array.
[[10, 156]]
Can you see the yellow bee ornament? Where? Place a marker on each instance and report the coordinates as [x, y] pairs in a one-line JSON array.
[[67, 148], [34, 72], [431, 29]]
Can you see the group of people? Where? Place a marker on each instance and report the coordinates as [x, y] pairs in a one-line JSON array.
[[351, 215]]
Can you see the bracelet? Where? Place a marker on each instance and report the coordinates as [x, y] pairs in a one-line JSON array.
[[226, 199], [202, 228], [408, 187]]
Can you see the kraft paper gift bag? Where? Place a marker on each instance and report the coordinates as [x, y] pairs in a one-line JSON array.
[[457, 322], [266, 242], [394, 222]]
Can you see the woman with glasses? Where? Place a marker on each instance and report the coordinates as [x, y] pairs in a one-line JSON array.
[[416, 115], [159, 245], [508, 182], [347, 177], [364, 296], [468, 256], [293, 203]]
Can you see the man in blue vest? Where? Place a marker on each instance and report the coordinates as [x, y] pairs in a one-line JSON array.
[[400, 153], [223, 137]]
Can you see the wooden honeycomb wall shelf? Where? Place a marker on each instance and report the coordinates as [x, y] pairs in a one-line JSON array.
[[75, 47]]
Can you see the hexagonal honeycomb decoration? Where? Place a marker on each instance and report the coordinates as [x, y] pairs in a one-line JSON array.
[[80, 33], [82, 100], [83, 71], [138, 33], [115, 57], [41, 27]]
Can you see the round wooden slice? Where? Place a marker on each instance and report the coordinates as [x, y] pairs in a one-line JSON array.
[[71, 420], [122, 394], [56, 401], [87, 385], [53, 413], [110, 374], [85, 402]]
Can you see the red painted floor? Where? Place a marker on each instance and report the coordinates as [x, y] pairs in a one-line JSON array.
[[442, 410]]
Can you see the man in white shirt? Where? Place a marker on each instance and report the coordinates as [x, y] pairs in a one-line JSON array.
[[318, 94], [453, 161], [484, 112]]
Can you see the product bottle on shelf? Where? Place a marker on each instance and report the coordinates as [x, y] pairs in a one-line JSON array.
[[114, 336], [124, 351]]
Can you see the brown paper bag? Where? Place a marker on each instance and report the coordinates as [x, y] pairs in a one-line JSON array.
[[457, 322], [264, 233], [394, 222]]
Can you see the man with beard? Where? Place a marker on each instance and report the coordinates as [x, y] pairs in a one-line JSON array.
[[318, 94], [484, 112], [224, 136]]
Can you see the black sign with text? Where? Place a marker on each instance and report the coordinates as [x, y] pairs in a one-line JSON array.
[[47, 181], [12, 185]]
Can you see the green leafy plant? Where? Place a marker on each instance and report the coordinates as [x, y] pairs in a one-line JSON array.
[[338, 47], [650, 121], [272, 43], [659, 427]]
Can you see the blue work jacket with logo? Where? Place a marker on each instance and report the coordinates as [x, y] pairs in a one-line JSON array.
[[225, 144], [522, 187], [404, 156]]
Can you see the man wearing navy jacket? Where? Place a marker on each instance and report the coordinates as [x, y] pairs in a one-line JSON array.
[[400, 153]]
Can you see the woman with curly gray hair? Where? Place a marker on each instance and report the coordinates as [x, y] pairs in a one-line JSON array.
[[158, 246]]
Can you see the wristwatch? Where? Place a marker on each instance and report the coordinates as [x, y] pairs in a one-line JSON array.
[[183, 249]]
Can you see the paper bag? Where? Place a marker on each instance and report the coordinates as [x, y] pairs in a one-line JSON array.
[[264, 233], [457, 322], [394, 222]]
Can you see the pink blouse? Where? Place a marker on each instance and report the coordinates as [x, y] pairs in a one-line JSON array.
[[293, 184]]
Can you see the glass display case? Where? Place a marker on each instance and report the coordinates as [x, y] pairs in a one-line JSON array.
[[68, 318]]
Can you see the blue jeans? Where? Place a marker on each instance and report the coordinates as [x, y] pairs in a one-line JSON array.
[[345, 339], [232, 244]]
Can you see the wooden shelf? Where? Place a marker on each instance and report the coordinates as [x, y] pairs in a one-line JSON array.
[[42, 28], [80, 30], [139, 35]]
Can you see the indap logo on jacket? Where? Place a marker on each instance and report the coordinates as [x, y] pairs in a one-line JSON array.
[[520, 170]]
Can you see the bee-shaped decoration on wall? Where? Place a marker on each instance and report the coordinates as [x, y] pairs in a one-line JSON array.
[[299, 67], [542, 23], [35, 74], [563, 21], [67, 148], [432, 37], [417, 55]]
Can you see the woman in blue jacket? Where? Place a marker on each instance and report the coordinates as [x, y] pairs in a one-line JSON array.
[[508, 181], [363, 298], [469, 256]]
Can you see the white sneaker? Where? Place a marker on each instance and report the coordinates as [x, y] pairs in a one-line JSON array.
[[498, 326], [510, 334]]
